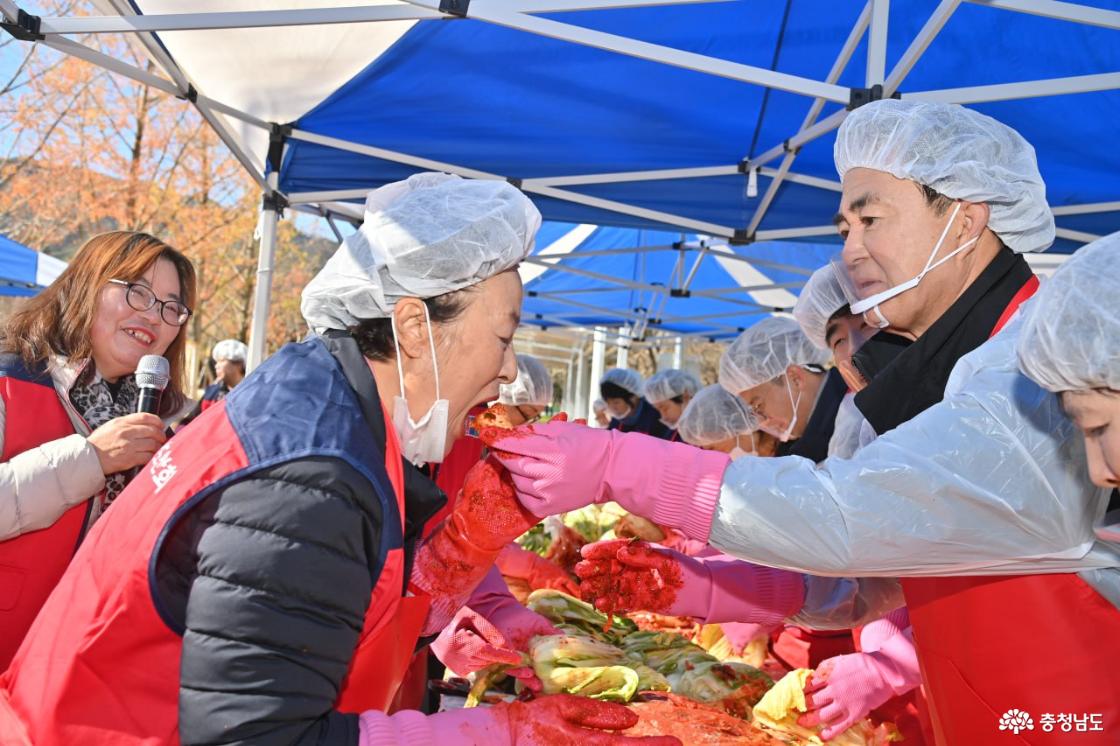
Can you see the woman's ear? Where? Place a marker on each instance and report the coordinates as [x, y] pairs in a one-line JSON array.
[[796, 376], [412, 328]]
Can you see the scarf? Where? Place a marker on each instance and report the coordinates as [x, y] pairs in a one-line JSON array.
[[98, 401]]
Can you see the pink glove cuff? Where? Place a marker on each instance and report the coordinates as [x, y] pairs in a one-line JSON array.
[[898, 663], [742, 592], [874, 634], [688, 487], [376, 728], [491, 595]]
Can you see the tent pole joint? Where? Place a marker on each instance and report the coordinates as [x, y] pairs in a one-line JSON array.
[[278, 135], [25, 27], [679, 293], [862, 96], [742, 237], [456, 8], [191, 94], [515, 182], [274, 201]]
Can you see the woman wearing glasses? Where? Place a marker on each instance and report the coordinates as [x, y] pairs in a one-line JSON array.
[[69, 435]]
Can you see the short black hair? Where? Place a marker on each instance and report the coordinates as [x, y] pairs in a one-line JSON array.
[[610, 390], [845, 310], [375, 336], [935, 199]]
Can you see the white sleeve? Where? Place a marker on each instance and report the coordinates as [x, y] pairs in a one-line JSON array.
[[992, 480], [40, 484], [845, 439]]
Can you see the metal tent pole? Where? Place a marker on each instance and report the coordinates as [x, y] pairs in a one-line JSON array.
[[598, 357]]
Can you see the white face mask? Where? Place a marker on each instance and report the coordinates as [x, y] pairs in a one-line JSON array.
[[785, 435], [738, 452], [621, 415], [873, 302], [422, 442]]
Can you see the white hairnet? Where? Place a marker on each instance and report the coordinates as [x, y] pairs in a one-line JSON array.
[[425, 236], [958, 152], [820, 299], [626, 378], [713, 415], [533, 384], [230, 349], [669, 384], [1070, 339], [763, 352]]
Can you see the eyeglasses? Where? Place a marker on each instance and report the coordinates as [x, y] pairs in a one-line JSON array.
[[141, 298]]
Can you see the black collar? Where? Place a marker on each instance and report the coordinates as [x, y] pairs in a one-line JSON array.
[[813, 443], [422, 498], [916, 379]]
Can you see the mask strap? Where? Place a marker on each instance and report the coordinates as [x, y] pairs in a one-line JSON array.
[[397, 348], [432, 347]]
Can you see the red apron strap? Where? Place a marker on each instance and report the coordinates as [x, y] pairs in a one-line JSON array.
[[1025, 292]]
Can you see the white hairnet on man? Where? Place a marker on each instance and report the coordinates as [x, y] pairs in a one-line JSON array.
[[820, 299], [230, 349], [958, 152], [669, 384], [715, 415], [763, 352], [625, 378], [1071, 327], [428, 235], [532, 387]]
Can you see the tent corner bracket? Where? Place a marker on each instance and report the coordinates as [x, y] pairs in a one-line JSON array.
[[191, 94], [25, 27], [860, 96], [456, 8], [741, 237], [274, 201]]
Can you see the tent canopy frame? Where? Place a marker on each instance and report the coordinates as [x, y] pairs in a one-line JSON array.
[[522, 15]]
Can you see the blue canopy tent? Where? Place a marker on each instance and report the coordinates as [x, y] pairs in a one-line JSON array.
[[709, 118], [24, 271], [648, 281]]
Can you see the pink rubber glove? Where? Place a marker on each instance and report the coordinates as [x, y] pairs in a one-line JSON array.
[[545, 721], [537, 572], [874, 634], [674, 539], [627, 575], [492, 628], [741, 634], [562, 466], [846, 688]]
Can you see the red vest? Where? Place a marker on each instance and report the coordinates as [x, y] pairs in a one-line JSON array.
[[101, 665], [32, 564], [1043, 644]]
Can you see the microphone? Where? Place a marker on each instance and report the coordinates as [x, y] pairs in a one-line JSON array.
[[152, 375]]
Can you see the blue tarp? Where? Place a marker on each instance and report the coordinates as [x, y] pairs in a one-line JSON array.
[[574, 297], [24, 271], [524, 106]]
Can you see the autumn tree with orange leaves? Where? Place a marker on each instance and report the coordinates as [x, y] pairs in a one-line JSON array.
[[89, 151]]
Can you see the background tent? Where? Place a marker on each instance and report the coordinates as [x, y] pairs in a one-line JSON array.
[[24, 271]]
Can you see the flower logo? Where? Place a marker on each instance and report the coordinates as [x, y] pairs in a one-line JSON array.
[[1015, 721]]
